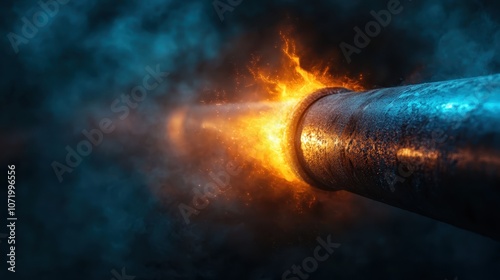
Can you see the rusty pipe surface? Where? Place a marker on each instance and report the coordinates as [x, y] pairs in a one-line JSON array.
[[432, 149]]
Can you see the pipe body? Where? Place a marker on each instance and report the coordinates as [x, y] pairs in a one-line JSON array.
[[432, 149]]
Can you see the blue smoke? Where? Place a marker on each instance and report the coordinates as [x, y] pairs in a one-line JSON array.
[[119, 207]]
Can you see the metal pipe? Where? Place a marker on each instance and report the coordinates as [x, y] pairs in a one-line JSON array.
[[432, 149]]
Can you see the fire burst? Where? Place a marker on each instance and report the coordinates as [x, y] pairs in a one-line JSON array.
[[258, 130], [264, 132]]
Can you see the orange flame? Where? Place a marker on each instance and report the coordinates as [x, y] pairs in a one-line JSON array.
[[258, 130], [294, 82], [265, 131]]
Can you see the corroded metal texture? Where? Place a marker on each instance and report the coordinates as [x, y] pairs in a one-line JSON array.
[[432, 148]]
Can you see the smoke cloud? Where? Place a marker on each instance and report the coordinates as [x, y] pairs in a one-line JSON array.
[[119, 207]]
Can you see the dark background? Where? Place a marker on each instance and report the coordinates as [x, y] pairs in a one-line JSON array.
[[119, 208]]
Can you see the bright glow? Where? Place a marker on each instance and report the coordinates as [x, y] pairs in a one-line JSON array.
[[266, 131], [258, 130], [414, 154]]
